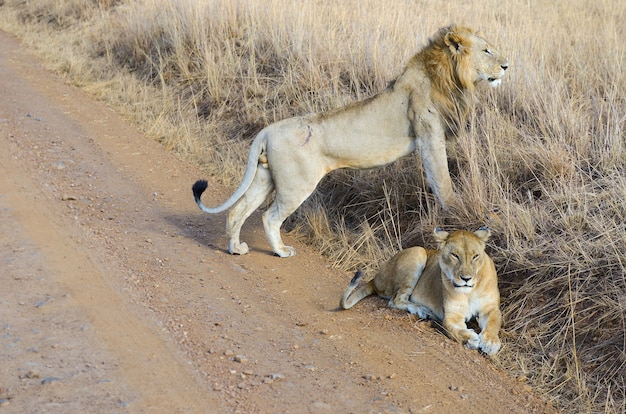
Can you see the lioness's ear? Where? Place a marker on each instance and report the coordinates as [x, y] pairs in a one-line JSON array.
[[483, 233], [440, 235], [455, 42]]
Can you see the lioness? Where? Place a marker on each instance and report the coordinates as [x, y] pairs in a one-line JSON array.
[[452, 284], [427, 102]]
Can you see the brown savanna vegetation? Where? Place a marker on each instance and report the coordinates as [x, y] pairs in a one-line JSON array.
[[542, 161]]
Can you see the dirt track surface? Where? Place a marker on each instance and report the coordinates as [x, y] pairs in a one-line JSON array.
[[117, 295]]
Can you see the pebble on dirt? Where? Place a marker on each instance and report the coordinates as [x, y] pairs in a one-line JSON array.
[[240, 359], [50, 380]]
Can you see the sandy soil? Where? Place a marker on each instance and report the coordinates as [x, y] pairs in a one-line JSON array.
[[116, 294]]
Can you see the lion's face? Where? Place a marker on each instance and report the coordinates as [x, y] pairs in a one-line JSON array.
[[462, 256], [489, 63], [476, 59]]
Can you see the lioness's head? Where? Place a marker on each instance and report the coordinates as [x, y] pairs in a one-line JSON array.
[[462, 254], [474, 58]]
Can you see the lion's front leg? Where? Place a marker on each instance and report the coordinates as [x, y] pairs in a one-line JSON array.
[[434, 157], [490, 323]]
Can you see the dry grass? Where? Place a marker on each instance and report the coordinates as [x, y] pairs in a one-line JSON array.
[[542, 162]]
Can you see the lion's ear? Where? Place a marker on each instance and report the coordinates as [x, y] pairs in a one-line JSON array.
[[483, 233], [455, 42], [440, 235]]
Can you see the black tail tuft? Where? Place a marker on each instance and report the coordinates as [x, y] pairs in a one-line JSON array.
[[355, 279], [198, 188]]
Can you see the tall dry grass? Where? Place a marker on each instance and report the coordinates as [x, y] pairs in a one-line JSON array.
[[542, 161]]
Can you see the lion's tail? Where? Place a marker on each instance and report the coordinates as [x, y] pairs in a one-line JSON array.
[[351, 296], [253, 160]]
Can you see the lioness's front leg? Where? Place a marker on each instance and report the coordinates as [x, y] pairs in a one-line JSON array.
[[490, 323], [457, 329]]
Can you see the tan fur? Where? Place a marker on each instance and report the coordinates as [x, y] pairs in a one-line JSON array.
[[452, 284], [426, 103]]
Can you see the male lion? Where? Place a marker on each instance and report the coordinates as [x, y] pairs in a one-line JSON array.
[[453, 284], [428, 101]]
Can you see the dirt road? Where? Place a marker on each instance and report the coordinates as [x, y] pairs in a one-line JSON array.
[[116, 294]]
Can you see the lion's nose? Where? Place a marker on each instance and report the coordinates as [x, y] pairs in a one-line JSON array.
[[466, 278], [504, 66]]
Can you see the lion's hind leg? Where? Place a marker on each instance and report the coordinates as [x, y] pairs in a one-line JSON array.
[[273, 219], [285, 203]]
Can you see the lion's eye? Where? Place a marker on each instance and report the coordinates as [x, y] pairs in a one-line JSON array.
[[454, 256], [487, 51], [475, 257]]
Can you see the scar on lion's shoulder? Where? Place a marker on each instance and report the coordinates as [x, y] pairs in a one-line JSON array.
[[308, 135]]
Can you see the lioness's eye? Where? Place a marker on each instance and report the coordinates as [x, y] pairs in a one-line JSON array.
[[475, 257], [487, 51], [454, 256]]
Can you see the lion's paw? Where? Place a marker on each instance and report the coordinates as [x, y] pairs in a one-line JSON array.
[[287, 251], [240, 248]]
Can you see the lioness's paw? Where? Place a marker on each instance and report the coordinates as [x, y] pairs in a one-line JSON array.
[[490, 346], [288, 251], [238, 248], [422, 312], [473, 342]]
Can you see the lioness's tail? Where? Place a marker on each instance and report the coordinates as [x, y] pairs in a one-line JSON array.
[[253, 160], [350, 296]]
